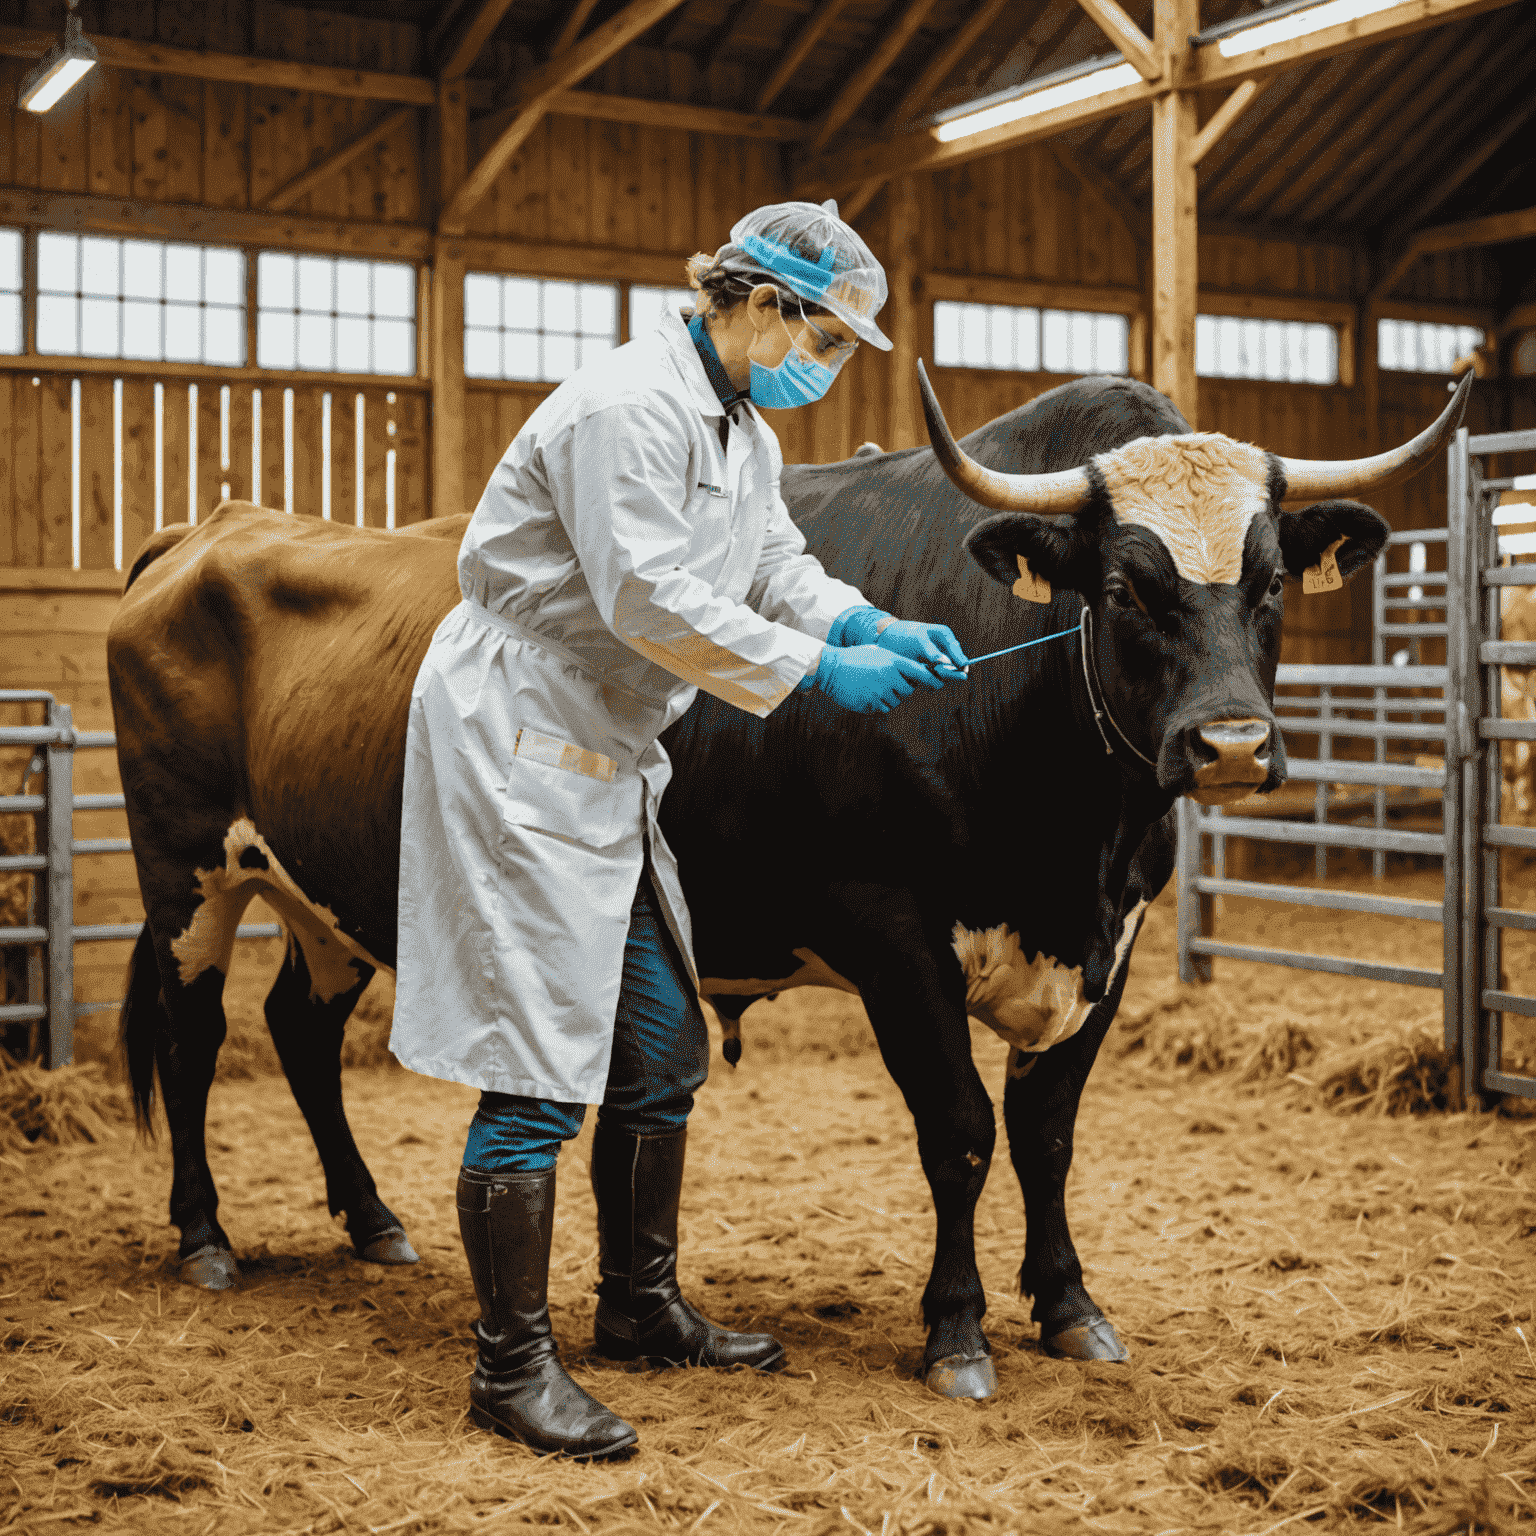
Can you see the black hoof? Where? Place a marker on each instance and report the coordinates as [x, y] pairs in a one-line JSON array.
[[1096, 1340], [972, 1376], [392, 1247], [211, 1267]]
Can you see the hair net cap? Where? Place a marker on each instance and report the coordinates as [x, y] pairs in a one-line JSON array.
[[809, 249]]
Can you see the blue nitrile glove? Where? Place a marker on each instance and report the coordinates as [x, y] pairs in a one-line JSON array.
[[868, 679], [934, 645]]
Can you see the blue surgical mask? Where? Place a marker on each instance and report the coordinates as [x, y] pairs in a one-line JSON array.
[[798, 380]]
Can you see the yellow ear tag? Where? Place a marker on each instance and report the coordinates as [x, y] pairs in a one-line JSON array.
[[1324, 576], [1032, 588]]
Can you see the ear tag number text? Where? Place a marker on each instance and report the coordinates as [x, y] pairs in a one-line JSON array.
[[1324, 576], [1032, 588]]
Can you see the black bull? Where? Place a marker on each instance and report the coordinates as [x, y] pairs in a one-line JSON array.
[[810, 841]]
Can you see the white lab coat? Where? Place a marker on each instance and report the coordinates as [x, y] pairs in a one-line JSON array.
[[618, 561]]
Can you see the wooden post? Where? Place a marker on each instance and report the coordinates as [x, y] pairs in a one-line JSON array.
[[906, 430], [1175, 256], [445, 329]]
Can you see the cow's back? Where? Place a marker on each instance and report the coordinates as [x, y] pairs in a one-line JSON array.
[[261, 665]]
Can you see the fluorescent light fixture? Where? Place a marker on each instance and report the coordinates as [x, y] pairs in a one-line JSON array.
[[59, 69], [1094, 82], [1314, 18]]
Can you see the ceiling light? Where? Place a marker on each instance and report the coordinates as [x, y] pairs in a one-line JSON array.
[[59, 69], [1313, 18], [1042, 97]]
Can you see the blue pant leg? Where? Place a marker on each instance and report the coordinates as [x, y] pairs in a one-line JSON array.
[[511, 1134], [660, 1040]]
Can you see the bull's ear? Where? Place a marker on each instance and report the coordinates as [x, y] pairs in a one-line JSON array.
[[1306, 534], [1049, 544]]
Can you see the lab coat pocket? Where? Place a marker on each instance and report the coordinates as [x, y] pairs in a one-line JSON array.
[[565, 791]]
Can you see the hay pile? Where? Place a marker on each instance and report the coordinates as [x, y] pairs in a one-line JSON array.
[[60, 1108]]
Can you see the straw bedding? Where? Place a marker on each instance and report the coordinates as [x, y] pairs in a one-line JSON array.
[[1328, 1291]]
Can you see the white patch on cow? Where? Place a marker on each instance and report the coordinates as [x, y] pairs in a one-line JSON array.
[[224, 894], [1197, 493], [1033, 1004], [813, 971]]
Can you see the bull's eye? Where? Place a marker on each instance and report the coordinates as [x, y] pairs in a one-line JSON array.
[[1121, 597], [1277, 586]]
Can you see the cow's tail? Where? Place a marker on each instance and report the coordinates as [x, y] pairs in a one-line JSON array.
[[155, 546], [143, 1017]]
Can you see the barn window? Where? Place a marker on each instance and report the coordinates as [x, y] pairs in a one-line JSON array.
[[537, 329], [140, 298], [10, 291], [1290, 351], [646, 305], [1413, 346], [1026, 340], [335, 315]]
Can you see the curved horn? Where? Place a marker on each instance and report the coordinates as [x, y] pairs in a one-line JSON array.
[[1050, 495], [1311, 478]]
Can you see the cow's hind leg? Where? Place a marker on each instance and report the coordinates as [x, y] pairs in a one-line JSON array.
[[914, 994], [178, 1029], [1040, 1112], [307, 1033]]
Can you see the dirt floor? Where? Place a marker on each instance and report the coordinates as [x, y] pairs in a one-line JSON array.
[[1329, 1305]]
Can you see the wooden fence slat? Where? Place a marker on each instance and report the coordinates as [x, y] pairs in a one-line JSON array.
[[375, 445], [272, 446], [97, 452], [26, 471], [10, 384], [55, 469], [343, 456], [138, 465], [174, 429], [210, 474], [307, 409], [413, 502]]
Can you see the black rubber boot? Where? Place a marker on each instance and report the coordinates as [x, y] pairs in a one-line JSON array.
[[519, 1387], [641, 1314]]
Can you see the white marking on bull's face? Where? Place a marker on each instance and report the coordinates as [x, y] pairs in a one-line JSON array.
[[812, 971], [225, 892], [1033, 1004], [1198, 494]]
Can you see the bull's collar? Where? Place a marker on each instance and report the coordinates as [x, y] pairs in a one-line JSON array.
[[1096, 697]]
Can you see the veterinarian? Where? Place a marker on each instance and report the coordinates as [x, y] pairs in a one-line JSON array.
[[631, 547]]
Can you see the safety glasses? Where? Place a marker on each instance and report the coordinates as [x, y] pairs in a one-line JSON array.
[[830, 352]]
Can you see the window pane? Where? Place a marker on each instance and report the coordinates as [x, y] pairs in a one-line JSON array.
[[99, 266], [1205, 345], [353, 288], [224, 336], [351, 342], [224, 277], [559, 356], [316, 287], [141, 269], [57, 263], [184, 333], [317, 342], [646, 306], [184, 272], [598, 309], [590, 348], [275, 286], [520, 355], [482, 300], [1080, 347], [56, 319], [394, 346], [141, 328], [946, 335], [1416, 346], [98, 328], [1055, 341], [482, 354], [274, 338], [520, 303], [1111, 344], [10, 260], [559, 307], [394, 290], [10, 322]]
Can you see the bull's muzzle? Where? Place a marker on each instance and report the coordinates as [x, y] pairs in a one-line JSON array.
[[1241, 763]]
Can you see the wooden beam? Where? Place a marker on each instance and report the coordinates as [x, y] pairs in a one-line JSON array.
[[1032, 293], [944, 63], [1175, 244], [575, 20], [1496, 229], [676, 114], [338, 160], [584, 263], [865, 78], [1133, 218], [156, 59], [1132, 42], [1447, 185], [463, 48], [915, 152], [1212, 68], [1223, 118], [533, 93], [794, 55], [445, 327], [905, 427]]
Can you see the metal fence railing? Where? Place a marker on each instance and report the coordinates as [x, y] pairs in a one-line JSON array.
[[50, 932]]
